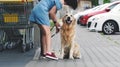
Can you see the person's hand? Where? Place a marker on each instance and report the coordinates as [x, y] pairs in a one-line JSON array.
[[57, 27]]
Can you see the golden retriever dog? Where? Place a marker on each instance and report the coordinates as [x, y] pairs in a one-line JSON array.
[[69, 48]]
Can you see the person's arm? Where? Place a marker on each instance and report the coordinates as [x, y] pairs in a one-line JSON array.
[[52, 14]]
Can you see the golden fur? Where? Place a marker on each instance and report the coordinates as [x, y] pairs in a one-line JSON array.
[[69, 49]]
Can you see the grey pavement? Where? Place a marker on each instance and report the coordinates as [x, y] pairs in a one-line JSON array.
[[97, 50]]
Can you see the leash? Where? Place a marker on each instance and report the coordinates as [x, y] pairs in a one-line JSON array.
[[55, 32]]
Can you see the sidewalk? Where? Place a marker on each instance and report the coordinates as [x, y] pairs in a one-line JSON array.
[[97, 51]]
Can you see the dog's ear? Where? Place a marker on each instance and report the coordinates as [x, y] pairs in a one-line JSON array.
[[74, 21], [63, 19]]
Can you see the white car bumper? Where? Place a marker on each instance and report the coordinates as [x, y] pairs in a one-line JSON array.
[[91, 25]]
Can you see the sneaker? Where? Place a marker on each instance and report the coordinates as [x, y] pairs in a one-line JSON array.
[[51, 56]]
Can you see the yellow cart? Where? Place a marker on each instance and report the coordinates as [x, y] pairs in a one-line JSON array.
[[14, 15]]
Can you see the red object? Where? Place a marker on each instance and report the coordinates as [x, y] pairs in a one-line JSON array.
[[51, 56], [83, 20]]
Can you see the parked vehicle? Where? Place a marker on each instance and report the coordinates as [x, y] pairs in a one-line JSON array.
[[79, 14], [108, 23], [104, 9]]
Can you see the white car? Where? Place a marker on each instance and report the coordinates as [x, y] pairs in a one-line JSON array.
[[77, 15], [108, 23]]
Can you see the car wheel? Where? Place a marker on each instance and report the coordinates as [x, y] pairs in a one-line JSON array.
[[109, 27], [78, 20], [23, 48]]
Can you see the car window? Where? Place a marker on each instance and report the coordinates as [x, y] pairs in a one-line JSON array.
[[112, 6]]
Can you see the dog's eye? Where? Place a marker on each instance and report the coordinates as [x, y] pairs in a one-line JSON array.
[[66, 15], [71, 15]]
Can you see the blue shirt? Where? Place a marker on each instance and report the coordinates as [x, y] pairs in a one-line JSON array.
[[40, 13]]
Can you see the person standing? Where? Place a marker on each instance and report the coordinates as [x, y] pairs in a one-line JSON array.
[[40, 14]]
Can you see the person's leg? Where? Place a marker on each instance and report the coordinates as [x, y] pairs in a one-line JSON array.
[[46, 38], [46, 42]]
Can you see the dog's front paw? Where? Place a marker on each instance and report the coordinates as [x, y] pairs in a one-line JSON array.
[[71, 58], [78, 57]]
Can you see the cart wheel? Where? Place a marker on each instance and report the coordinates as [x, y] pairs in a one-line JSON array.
[[1, 48], [32, 45], [29, 46], [23, 48]]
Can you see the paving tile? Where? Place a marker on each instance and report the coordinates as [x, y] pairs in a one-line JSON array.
[[97, 51]]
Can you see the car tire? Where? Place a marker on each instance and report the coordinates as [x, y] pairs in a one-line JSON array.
[[78, 20], [109, 27]]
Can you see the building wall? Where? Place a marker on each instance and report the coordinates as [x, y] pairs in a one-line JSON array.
[[84, 5]]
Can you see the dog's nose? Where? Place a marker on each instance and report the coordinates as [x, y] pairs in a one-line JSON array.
[[68, 18]]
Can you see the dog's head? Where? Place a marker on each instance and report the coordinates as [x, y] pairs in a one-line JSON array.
[[68, 20]]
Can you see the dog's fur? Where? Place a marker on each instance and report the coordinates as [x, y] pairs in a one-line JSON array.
[[69, 48]]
